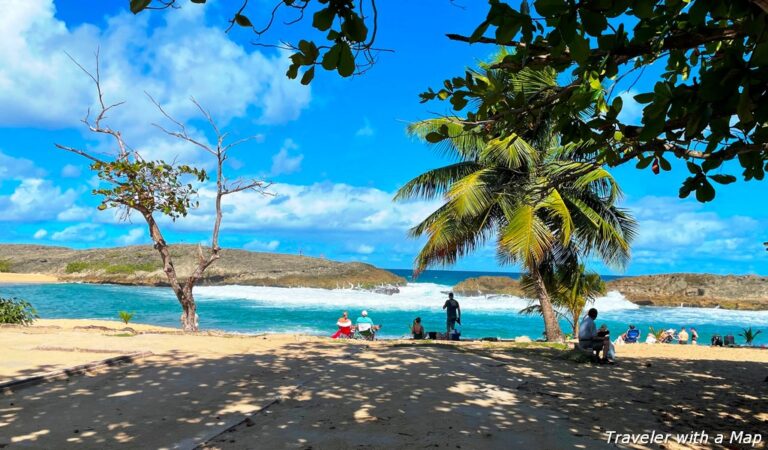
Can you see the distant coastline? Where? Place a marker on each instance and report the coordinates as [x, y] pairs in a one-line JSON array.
[[139, 266]]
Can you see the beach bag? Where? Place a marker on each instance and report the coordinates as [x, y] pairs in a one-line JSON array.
[[432, 335], [730, 341]]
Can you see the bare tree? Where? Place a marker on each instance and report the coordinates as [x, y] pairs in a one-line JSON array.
[[150, 187]]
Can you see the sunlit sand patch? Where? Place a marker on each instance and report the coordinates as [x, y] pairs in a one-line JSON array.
[[362, 414], [124, 394], [29, 437]]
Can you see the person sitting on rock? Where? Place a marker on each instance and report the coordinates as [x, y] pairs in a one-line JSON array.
[[589, 339]]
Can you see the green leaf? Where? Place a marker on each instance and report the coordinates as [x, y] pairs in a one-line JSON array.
[[664, 164], [723, 179], [618, 135], [693, 168], [549, 8], [579, 47], [308, 75], [138, 6], [479, 32], [346, 61], [434, 137], [644, 162], [744, 107], [644, 98], [243, 21], [594, 23], [355, 28], [705, 192], [323, 19], [331, 57], [198, 1]]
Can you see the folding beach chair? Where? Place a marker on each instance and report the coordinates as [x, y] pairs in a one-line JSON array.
[[632, 336], [365, 331]]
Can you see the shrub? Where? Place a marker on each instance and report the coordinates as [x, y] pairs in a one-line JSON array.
[[76, 266], [125, 316], [17, 311], [131, 268], [749, 335], [5, 265]]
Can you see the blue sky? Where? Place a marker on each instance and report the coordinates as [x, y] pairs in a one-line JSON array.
[[336, 151]]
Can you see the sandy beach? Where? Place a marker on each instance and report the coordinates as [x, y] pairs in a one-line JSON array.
[[319, 393], [26, 278]]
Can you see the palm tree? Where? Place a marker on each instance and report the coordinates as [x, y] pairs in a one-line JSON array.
[[570, 289], [533, 195]]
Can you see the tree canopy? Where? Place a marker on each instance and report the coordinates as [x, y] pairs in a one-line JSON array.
[[707, 107]]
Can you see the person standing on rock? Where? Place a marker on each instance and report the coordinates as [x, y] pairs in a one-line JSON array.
[[454, 313]]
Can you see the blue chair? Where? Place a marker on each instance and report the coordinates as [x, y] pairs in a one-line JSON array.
[[632, 336]]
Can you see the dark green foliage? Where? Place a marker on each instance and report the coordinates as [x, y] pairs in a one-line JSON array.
[[709, 106], [147, 186], [749, 335], [17, 311], [5, 265]]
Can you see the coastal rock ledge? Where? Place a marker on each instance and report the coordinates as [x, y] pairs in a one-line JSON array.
[[140, 265], [746, 292]]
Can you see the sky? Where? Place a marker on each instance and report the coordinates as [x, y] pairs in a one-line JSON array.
[[335, 152]]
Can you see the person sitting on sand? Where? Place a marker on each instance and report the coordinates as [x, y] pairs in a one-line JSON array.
[[682, 336], [694, 336], [417, 329], [345, 327], [631, 336], [589, 338], [365, 323]]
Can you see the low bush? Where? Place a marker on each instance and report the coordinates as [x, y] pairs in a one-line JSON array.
[[17, 311], [5, 265], [80, 266]]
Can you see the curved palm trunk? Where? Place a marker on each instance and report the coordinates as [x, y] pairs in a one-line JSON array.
[[551, 325]]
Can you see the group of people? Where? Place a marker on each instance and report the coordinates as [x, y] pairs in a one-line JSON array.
[[669, 336], [364, 326]]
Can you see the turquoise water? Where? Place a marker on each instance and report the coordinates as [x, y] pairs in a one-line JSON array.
[[249, 309]]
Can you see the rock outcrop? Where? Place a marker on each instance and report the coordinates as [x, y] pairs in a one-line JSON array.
[[140, 265], [489, 286], [748, 292]]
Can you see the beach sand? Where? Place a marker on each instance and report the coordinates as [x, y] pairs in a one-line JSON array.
[[27, 278], [390, 394]]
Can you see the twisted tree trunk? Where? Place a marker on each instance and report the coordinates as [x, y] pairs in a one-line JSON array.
[[551, 324]]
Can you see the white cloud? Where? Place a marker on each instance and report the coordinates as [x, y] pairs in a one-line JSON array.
[[75, 214], [283, 163], [364, 249], [320, 206], [18, 168], [36, 199], [257, 245], [366, 130], [40, 86], [631, 111], [84, 232], [39, 234], [134, 236], [71, 171], [675, 233]]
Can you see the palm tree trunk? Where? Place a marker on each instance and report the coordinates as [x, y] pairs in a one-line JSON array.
[[551, 325]]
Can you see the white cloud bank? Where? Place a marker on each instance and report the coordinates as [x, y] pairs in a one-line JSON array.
[[84, 232], [283, 162]]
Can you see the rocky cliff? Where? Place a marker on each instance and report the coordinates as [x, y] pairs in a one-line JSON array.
[[140, 265], [748, 292], [702, 290]]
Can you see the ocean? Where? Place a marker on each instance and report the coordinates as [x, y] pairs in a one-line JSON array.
[[250, 309]]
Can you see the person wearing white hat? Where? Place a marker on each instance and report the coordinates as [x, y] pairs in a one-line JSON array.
[[365, 323]]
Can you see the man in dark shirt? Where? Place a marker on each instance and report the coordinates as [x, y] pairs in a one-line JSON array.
[[453, 311]]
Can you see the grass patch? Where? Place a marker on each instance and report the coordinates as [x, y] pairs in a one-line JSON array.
[[121, 335], [5, 265], [80, 266]]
